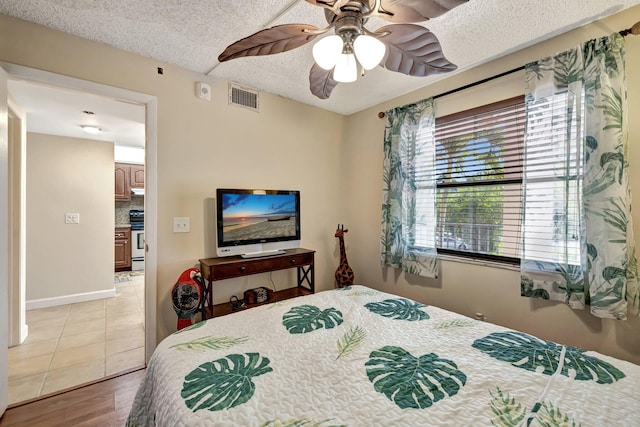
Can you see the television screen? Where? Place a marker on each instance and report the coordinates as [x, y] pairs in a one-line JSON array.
[[257, 216]]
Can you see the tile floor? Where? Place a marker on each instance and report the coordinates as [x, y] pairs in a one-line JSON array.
[[74, 344]]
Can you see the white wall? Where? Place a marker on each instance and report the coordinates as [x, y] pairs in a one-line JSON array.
[[123, 154], [467, 288], [17, 218], [69, 175]]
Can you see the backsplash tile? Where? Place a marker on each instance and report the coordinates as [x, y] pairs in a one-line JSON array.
[[123, 208]]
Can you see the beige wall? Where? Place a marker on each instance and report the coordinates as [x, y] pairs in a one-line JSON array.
[[213, 145], [335, 161], [69, 175], [204, 145], [468, 288]]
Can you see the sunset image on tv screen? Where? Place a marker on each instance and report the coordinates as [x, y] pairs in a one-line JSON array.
[[258, 216]]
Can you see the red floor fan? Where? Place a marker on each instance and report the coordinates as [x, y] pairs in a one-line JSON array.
[[187, 295]]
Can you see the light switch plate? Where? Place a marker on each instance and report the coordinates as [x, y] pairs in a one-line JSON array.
[[72, 218], [181, 224]]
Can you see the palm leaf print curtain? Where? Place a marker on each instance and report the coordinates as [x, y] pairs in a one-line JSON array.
[[578, 244], [409, 190]]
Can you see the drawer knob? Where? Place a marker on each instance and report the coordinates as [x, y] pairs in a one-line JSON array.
[[243, 268], [292, 261]]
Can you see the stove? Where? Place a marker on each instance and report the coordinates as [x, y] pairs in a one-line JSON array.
[[136, 219]]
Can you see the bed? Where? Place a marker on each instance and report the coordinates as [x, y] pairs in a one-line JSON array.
[[359, 357]]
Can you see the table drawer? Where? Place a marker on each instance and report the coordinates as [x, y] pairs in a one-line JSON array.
[[236, 269], [262, 265], [301, 259]]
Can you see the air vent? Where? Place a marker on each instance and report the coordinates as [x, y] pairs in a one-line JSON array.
[[244, 97]]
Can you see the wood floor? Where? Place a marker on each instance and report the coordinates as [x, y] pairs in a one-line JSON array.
[[103, 404]]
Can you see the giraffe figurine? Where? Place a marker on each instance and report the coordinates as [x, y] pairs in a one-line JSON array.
[[344, 273]]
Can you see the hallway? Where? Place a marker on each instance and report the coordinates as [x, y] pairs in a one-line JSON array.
[[73, 344]]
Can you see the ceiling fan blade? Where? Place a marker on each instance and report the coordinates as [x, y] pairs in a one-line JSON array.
[[278, 39], [332, 5], [404, 11], [321, 82], [330, 16], [413, 50]]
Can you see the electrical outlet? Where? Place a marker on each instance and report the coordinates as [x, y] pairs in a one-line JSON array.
[[72, 218], [481, 317], [181, 225]]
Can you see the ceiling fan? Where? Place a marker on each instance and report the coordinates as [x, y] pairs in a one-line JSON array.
[[403, 47]]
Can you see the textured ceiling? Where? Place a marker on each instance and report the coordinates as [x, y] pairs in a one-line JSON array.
[[192, 35]]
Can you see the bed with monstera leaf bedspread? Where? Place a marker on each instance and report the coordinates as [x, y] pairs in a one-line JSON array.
[[360, 357]]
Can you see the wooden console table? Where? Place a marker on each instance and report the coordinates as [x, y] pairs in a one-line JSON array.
[[215, 269]]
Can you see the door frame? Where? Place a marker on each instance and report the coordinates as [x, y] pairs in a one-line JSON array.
[[150, 102], [17, 137], [4, 240]]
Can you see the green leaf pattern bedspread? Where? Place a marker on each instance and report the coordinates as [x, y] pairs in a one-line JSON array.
[[360, 357]]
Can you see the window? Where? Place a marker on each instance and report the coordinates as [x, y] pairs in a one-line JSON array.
[[478, 170], [481, 158], [554, 159]]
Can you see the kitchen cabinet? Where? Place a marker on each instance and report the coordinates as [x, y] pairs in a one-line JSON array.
[[137, 176], [123, 181], [123, 248], [127, 176]]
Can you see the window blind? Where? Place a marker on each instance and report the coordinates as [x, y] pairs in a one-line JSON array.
[[478, 170], [553, 184]]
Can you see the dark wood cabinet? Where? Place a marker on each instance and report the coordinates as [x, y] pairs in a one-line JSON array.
[[215, 269], [123, 248], [123, 182], [127, 176], [137, 176]]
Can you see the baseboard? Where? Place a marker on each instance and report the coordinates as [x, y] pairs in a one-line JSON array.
[[70, 299]]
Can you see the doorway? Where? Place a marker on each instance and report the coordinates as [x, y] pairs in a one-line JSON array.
[[142, 288]]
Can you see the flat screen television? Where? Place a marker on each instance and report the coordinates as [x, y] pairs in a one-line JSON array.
[[253, 223]]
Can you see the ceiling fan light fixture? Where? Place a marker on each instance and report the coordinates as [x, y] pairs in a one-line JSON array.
[[404, 46], [369, 51], [327, 51], [346, 70]]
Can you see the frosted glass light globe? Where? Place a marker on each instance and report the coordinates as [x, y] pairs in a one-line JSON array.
[[346, 70], [93, 130], [327, 51], [369, 51]]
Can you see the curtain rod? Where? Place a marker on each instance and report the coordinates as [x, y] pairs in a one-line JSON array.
[[635, 30]]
